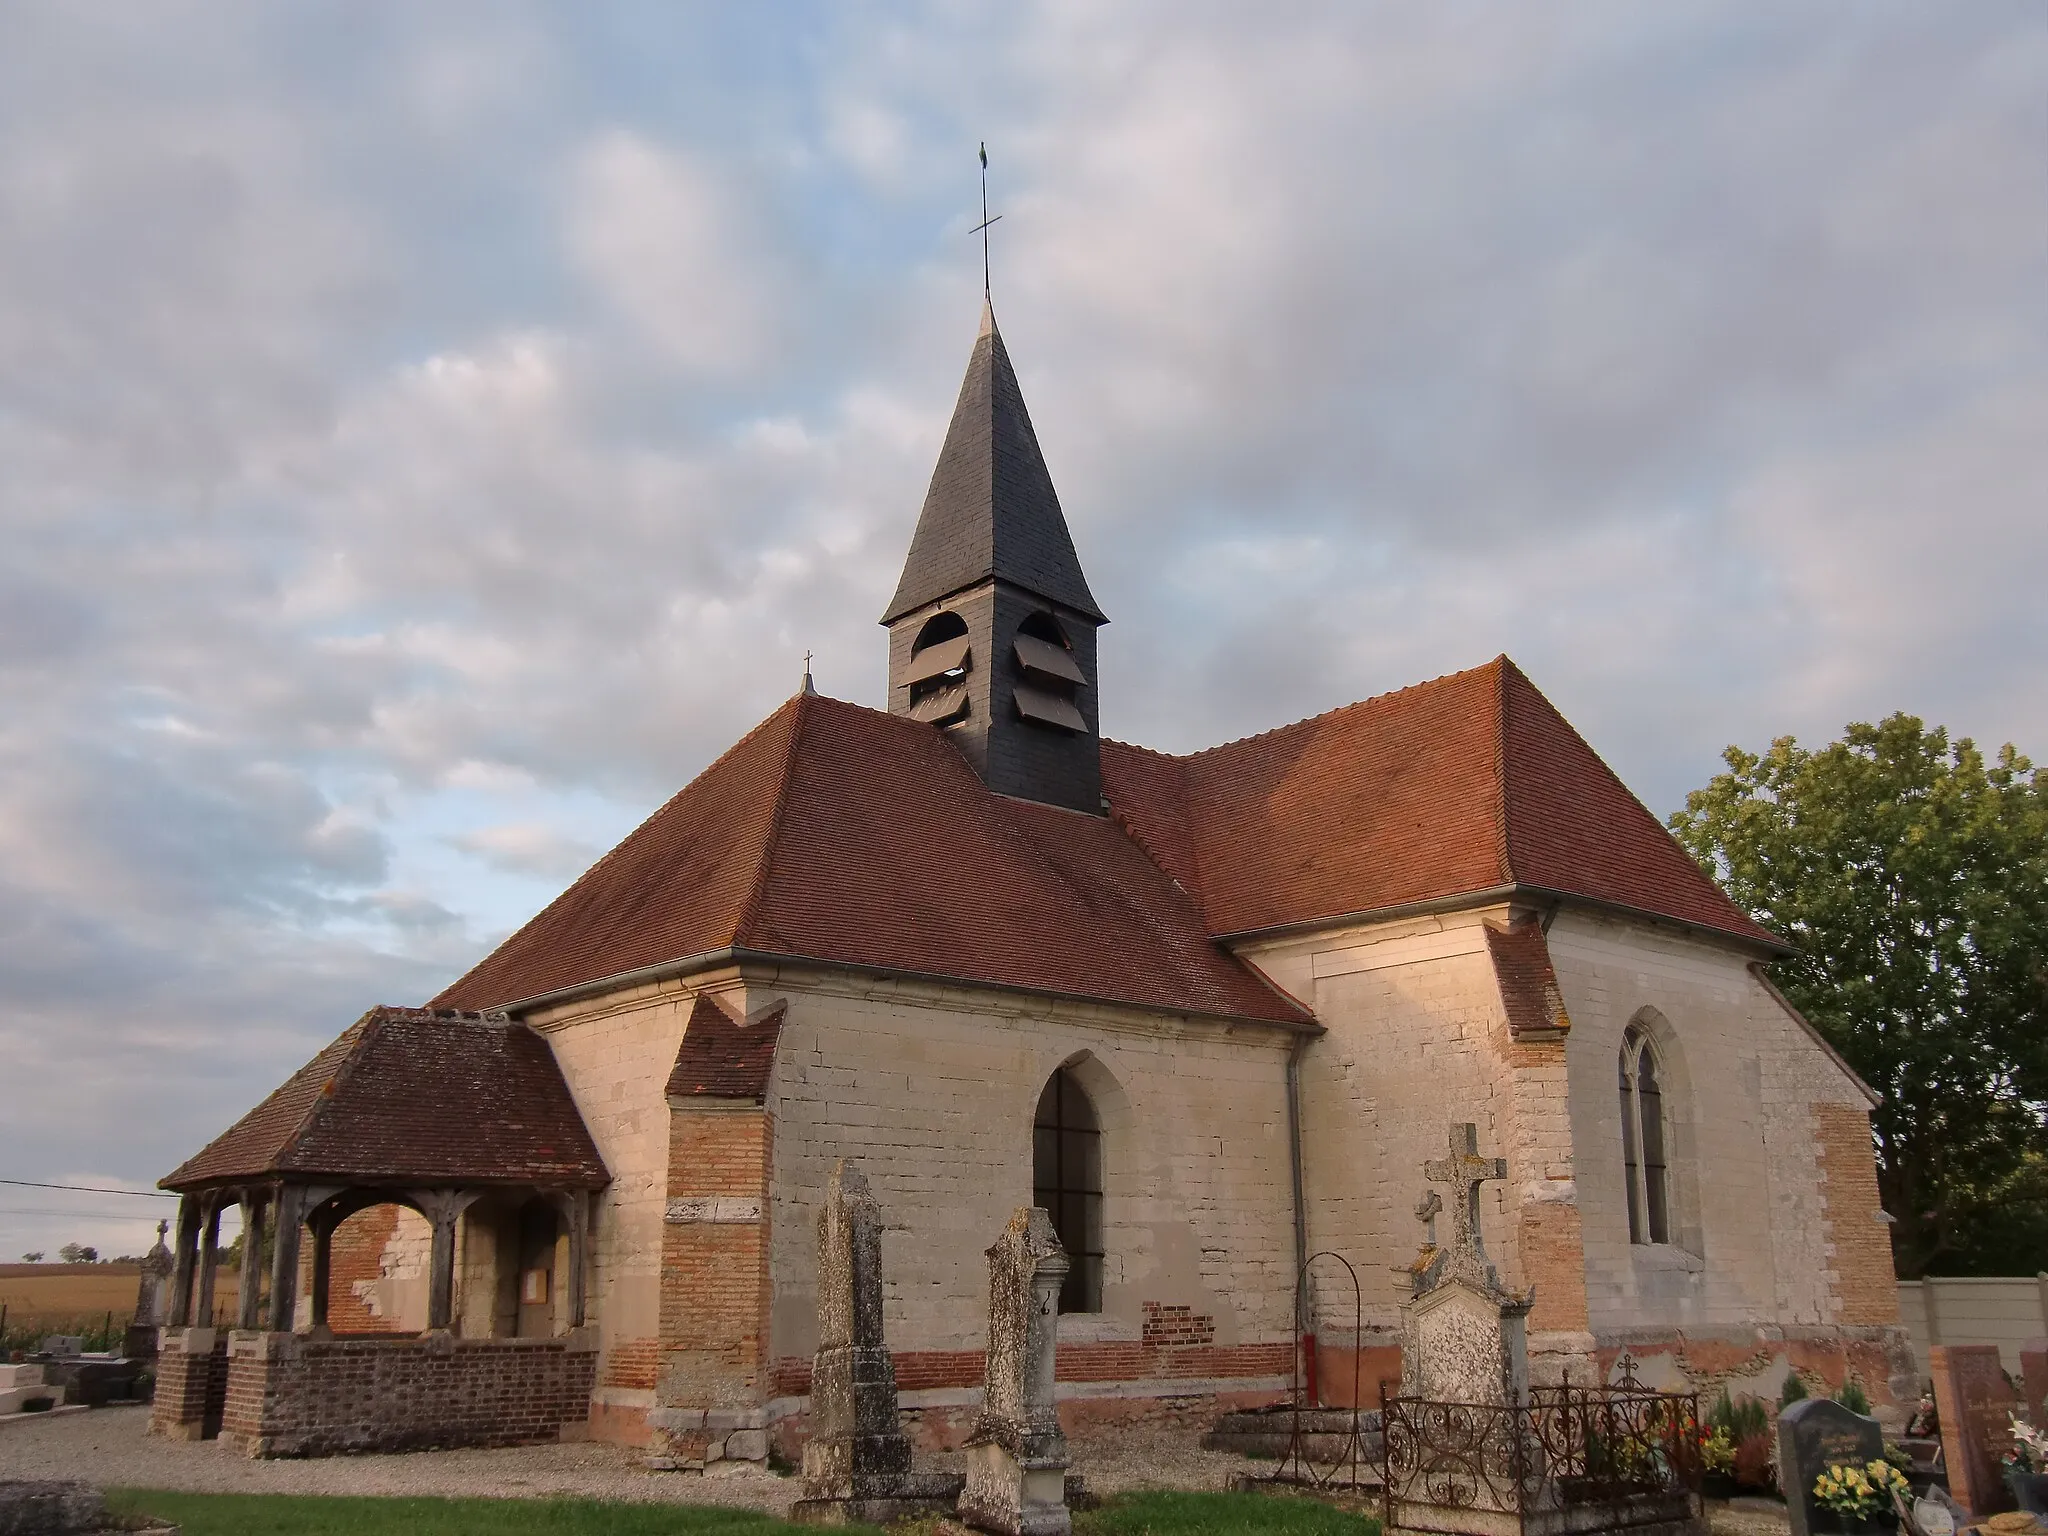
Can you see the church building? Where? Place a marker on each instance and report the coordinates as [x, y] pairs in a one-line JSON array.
[[1213, 1012]]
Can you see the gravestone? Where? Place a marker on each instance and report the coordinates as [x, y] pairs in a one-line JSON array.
[[1017, 1456], [62, 1346], [857, 1463], [1813, 1435], [152, 1299], [1466, 1332]]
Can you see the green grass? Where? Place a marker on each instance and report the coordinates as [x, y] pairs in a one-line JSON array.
[[277, 1514], [266, 1514]]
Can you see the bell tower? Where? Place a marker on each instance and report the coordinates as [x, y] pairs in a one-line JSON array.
[[992, 629]]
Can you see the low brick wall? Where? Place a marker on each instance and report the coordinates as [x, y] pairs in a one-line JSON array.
[[191, 1384], [296, 1395]]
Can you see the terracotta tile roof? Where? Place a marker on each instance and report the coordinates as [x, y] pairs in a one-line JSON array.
[[414, 1094], [1467, 784], [722, 1057], [1528, 985], [843, 834]]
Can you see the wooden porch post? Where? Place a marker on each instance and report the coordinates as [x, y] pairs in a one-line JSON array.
[[284, 1259], [209, 1255], [443, 1207], [182, 1276], [249, 1299], [323, 1265], [575, 1209]]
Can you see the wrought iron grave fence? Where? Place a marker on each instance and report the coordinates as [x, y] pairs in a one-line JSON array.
[[1569, 1450]]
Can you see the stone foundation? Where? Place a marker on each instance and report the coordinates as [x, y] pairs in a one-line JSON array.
[[191, 1384], [942, 1420], [300, 1395]]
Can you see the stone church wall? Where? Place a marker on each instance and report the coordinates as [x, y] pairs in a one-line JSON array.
[[1417, 1042], [615, 1052], [1779, 1257], [933, 1090]]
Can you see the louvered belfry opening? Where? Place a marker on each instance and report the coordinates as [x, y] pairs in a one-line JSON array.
[[992, 628], [940, 659], [1066, 1179]]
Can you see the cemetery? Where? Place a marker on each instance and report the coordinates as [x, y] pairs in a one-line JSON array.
[[1470, 1440]]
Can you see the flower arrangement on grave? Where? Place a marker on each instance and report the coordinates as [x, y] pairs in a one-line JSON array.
[[2029, 1450], [1925, 1423], [1854, 1494]]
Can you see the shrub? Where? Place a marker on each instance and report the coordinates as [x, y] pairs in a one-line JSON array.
[[1753, 1462], [1794, 1390], [1853, 1397]]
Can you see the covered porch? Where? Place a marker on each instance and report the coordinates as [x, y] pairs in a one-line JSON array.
[[458, 1316]]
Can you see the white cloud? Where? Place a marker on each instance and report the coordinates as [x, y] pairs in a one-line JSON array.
[[674, 249], [427, 450]]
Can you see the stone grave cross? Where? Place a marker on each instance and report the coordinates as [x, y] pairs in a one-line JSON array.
[[1427, 1209], [1465, 1167]]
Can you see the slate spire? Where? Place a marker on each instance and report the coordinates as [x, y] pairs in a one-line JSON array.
[[991, 512], [992, 629]]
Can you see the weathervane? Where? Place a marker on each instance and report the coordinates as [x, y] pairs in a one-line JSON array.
[[981, 229]]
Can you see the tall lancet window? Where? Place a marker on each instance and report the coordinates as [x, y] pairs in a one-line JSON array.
[[1066, 1179], [1642, 1141]]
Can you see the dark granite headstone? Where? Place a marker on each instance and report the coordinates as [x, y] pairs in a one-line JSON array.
[[1813, 1435]]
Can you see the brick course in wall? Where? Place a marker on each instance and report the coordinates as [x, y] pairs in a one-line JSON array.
[[291, 1395]]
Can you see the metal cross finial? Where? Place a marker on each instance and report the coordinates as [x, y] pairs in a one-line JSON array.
[[1467, 1168], [981, 229], [809, 687]]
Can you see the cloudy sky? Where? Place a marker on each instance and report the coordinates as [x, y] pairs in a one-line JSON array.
[[429, 435]]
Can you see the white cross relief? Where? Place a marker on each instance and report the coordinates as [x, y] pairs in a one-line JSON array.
[[1465, 1167]]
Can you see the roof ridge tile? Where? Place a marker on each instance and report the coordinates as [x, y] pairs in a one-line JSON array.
[[1391, 694]]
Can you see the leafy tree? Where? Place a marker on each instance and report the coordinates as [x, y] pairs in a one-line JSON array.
[[33, 1258], [1912, 876], [75, 1253]]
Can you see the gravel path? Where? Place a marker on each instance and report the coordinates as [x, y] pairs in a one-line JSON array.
[[109, 1447]]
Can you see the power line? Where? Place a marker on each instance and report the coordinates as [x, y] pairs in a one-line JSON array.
[[91, 1189]]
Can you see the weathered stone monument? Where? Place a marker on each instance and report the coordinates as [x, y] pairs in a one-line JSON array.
[[1465, 1336], [1017, 1456], [152, 1299], [1813, 1435], [857, 1463]]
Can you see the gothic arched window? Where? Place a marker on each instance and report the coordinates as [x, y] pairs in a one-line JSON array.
[[1066, 1179], [1642, 1141]]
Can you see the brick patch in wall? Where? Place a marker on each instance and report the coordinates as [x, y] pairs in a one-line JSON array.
[[291, 1395], [1865, 1283], [714, 1257], [632, 1363], [357, 1265], [1165, 1325], [1554, 1261]]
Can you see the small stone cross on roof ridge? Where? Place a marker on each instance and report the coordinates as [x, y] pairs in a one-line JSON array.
[[1467, 1168]]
